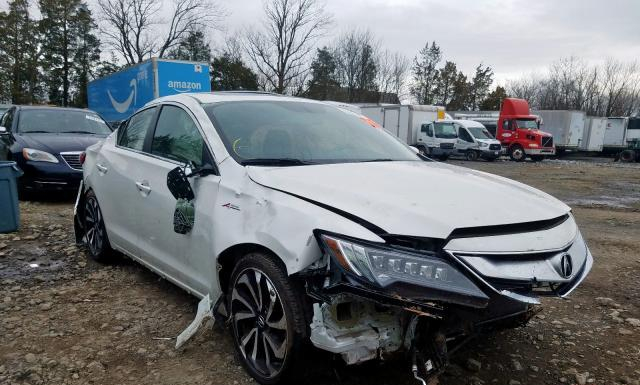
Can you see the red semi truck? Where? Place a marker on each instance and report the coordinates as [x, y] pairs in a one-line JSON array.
[[519, 132]]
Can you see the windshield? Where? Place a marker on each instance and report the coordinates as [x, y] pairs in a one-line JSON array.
[[259, 132], [480, 132], [54, 121], [529, 123], [445, 131]]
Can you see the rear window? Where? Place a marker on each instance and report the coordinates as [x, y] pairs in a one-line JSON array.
[[54, 121]]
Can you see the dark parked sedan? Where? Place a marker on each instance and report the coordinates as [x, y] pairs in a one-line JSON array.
[[47, 143]]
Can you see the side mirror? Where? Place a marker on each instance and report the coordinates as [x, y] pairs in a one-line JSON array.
[[179, 185], [3, 130], [414, 149]]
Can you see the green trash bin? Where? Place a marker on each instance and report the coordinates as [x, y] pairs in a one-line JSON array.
[[9, 209]]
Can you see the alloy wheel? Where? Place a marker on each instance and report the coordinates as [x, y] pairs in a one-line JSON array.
[[93, 226], [260, 323]]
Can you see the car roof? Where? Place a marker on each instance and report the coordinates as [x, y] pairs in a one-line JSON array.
[[227, 96], [468, 123]]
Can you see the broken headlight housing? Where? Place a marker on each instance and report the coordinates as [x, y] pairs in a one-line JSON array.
[[384, 266]]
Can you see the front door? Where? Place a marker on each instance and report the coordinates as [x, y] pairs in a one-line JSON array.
[[187, 258], [465, 140]]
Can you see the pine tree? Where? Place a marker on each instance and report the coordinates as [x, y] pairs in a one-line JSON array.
[[323, 84], [19, 48], [494, 99], [69, 48], [480, 84], [425, 73], [193, 47], [230, 73], [87, 54]]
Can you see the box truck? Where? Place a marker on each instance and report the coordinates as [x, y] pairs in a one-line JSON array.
[[593, 136], [567, 127], [421, 126], [118, 95]]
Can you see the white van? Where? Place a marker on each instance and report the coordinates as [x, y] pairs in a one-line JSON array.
[[475, 141], [437, 139]]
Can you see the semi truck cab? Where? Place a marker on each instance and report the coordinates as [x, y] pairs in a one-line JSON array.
[[519, 132], [437, 139]]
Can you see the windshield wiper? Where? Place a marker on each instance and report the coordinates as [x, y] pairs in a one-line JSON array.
[[376, 160], [78, 132], [35, 132], [274, 162]]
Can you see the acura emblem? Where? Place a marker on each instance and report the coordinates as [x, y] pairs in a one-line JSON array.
[[566, 265]]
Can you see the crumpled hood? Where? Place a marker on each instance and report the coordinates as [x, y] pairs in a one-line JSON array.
[[414, 198], [56, 143]]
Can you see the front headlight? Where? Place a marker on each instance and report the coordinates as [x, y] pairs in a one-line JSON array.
[[38, 156], [384, 266], [484, 144]]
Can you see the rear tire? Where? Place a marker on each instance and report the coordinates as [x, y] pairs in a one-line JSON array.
[[627, 156], [95, 232], [266, 310], [516, 152], [471, 155]]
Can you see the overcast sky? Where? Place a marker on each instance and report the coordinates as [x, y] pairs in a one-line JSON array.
[[512, 36]]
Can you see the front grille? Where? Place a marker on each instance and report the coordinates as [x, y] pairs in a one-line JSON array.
[[446, 146], [494, 147], [72, 159], [547, 141]]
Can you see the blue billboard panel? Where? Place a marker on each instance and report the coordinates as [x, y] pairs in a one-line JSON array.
[[119, 95], [176, 77]]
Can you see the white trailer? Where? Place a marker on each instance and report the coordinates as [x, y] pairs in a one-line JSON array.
[[615, 133], [403, 121], [566, 126], [593, 136]]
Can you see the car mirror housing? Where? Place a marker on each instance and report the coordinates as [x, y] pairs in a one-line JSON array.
[[179, 185], [3, 130]]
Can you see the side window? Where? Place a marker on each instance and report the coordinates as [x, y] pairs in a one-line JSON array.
[[464, 135], [134, 132], [423, 128], [506, 125], [7, 119], [177, 137], [430, 130]]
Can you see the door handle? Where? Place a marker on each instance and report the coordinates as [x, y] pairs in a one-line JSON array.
[[143, 187], [101, 168]]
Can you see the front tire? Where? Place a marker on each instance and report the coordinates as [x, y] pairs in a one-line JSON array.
[[95, 232], [267, 318], [471, 155], [516, 152]]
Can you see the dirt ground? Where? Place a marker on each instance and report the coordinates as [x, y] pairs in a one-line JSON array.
[[67, 320]]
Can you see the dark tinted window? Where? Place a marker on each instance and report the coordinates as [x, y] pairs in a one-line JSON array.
[[7, 119], [60, 121], [464, 135], [177, 136], [136, 130]]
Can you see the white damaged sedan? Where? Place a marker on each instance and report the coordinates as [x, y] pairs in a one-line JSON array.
[[303, 224]]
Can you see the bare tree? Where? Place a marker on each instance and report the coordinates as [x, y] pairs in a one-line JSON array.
[[136, 30], [356, 55], [280, 50], [392, 74]]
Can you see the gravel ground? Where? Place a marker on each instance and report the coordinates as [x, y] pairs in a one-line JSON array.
[[67, 320]]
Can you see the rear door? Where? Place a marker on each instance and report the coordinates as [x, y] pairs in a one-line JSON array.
[[114, 180], [187, 258]]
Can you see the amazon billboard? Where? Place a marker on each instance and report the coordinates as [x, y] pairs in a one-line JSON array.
[[115, 97]]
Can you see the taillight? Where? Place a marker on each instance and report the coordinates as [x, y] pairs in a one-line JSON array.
[[83, 156]]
